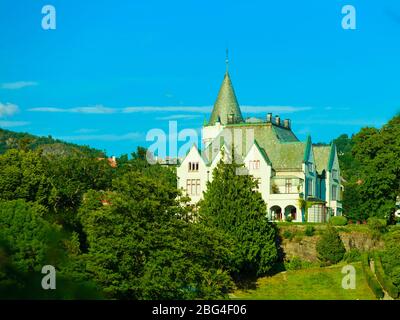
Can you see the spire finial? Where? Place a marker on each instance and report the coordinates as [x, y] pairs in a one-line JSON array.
[[227, 60]]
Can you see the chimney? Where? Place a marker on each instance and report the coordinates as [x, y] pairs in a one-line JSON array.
[[277, 120], [286, 123], [269, 117]]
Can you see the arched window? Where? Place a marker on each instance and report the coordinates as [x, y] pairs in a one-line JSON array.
[[276, 213]]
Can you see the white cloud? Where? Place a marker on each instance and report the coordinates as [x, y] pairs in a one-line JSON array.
[[179, 116], [98, 109], [8, 109], [337, 108], [95, 109], [203, 109], [154, 109], [18, 85], [45, 109], [208, 109], [343, 122], [11, 124], [104, 137], [276, 109]]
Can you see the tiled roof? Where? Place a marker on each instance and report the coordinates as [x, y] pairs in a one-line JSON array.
[[321, 157], [288, 156], [226, 104], [277, 144]]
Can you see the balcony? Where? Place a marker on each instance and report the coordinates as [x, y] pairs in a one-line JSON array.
[[286, 185]]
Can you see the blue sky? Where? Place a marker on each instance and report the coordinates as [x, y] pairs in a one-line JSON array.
[[113, 70]]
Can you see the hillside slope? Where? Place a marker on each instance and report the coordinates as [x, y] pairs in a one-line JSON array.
[[19, 140]]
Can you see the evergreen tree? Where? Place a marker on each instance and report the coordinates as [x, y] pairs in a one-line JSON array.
[[330, 247], [232, 204]]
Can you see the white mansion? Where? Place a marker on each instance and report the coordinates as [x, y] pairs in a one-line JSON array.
[[297, 180]]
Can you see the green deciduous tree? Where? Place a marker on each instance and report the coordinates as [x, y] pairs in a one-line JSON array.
[[378, 152], [370, 162], [391, 255], [31, 237], [23, 176], [142, 245], [27, 243], [70, 177]]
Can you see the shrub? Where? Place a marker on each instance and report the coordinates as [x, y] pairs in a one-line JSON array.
[[352, 255], [338, 221], [330, 247], [294, 264], [309, 231], [287, 234], [371, 280], [377, 226], [395, 276], [386, 283]]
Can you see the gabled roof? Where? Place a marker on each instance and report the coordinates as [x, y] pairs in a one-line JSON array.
[[324, 157], [288, 156], [263, 153], [284, 152], [284, 135], [226, 104], [331, 156], [198, 151]]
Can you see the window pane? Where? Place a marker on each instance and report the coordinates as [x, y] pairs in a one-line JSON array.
[[187, 186]]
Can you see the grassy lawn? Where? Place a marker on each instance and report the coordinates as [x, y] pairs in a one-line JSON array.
[[308, 284]]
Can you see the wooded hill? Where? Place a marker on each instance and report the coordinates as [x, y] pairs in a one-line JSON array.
[[25, 141]]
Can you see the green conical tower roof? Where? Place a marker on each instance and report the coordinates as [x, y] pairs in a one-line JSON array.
[[226, 104]]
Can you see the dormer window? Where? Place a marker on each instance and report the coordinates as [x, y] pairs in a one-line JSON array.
[[334, 174], [193, 166], [254, 164], [310, 167]]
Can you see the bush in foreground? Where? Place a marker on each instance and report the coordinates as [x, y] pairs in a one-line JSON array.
[[309, 231], [338, 221], [330, 247], [377, 226]]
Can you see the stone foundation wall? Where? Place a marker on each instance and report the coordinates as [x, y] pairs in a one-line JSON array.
[[304, 247]]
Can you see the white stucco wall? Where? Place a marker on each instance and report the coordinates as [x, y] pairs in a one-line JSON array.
[[183, 173], [263, 173]]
